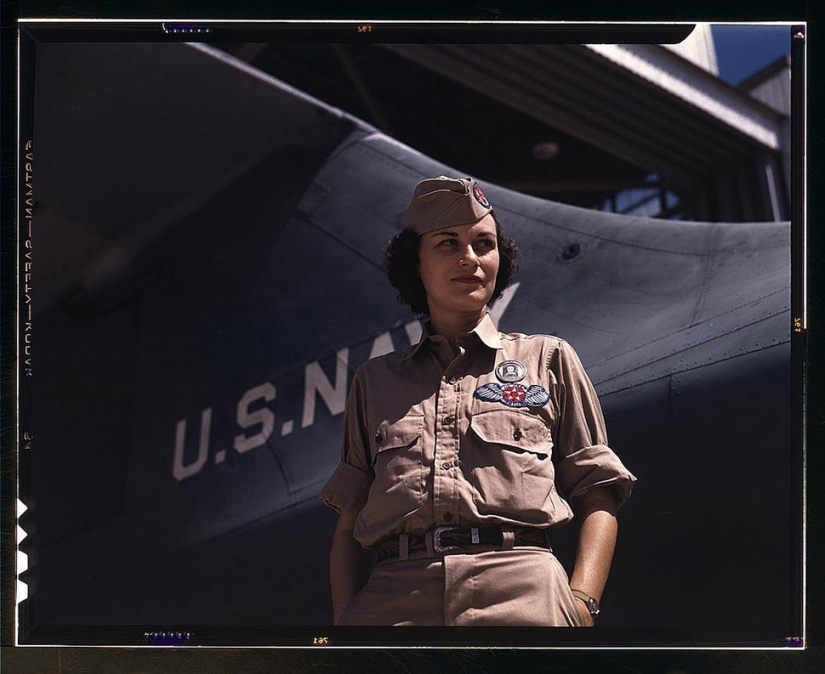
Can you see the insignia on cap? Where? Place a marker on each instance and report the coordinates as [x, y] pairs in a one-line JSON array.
[[511, 371], [479, 195], [513, 395]]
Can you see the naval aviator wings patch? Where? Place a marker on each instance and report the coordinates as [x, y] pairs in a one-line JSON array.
[[513, 395]]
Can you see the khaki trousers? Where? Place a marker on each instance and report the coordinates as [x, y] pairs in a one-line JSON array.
[[522, 586]]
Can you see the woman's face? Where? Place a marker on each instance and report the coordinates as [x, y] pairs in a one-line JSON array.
[[458, 267]]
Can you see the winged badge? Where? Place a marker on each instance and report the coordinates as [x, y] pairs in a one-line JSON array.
[[513, 395]]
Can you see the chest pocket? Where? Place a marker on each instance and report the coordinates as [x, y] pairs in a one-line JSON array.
[[397, 455], [510, 466], [515, 431], [398, 436]]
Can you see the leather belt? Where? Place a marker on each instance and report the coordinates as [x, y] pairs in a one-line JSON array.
[[462, 540]]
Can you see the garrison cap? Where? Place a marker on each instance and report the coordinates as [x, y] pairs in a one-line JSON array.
[[445, 202]]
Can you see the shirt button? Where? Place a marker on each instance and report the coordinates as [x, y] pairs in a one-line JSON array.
[[378, 438], [450, 420], [448, 517], [446, 466], [451, 380], [517, 434]]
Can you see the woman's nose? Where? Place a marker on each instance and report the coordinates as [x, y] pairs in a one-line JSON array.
[[468, 256]]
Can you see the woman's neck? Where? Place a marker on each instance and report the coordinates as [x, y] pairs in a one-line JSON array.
[[452, 325]]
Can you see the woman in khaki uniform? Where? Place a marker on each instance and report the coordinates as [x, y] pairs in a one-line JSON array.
[[461, 452]]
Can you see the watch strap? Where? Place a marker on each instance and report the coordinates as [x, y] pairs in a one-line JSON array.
[[591, 602]]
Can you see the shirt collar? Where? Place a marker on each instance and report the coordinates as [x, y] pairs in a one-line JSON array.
[[486, 331]]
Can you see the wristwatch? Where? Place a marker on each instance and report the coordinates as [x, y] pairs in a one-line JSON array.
[[590, 602]]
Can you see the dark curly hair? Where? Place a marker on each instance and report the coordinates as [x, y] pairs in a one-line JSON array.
[[401, 265]]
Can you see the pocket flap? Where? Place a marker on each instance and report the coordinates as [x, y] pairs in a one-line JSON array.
[[517, 430], [396, 434]]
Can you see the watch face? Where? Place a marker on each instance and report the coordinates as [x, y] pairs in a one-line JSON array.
[[593, 606]]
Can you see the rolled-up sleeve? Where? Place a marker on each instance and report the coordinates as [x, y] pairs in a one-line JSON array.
[[584, 461], [349, 485]]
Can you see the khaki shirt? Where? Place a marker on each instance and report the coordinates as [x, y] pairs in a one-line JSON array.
[[421, 451]]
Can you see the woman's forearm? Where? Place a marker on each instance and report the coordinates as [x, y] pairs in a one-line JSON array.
[[597, 541], [349, 565]]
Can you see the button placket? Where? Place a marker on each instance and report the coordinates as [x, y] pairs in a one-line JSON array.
[[445, 488]]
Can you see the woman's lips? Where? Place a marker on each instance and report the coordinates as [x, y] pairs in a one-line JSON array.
[[467, 279]]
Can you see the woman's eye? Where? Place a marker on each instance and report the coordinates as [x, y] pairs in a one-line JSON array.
[[487, 243]]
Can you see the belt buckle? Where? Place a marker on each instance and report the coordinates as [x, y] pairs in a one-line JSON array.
[[441, 549]]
